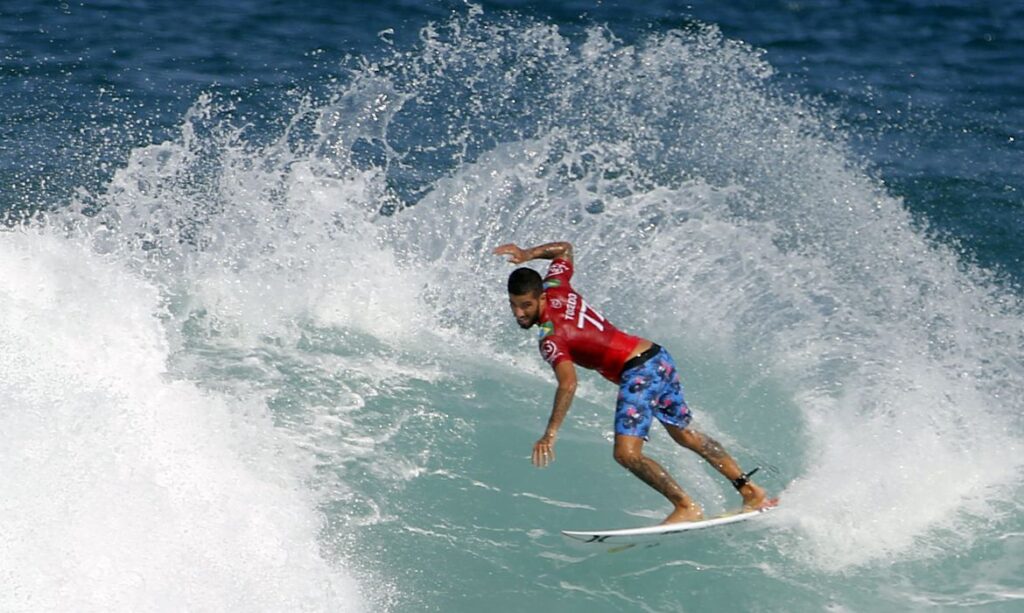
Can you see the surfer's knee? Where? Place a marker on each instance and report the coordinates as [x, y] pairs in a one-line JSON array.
[[687, 437], [627, 457]]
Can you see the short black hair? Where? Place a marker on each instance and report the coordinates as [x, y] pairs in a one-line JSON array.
[[524, 281]]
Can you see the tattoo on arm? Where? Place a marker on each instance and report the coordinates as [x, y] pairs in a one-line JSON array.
[[550, 251]]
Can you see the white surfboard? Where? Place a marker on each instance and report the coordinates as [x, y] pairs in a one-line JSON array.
[[653, 533]]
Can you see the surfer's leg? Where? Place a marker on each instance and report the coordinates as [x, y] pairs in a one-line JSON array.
[[629, 453], [754, 496]]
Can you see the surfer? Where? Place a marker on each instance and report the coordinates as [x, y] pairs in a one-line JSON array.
[[571, 333]]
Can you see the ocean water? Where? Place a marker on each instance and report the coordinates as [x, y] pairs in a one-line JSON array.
[[255, 355]]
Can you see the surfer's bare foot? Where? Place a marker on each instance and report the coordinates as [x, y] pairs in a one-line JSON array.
[[756, 498], [682, 514]]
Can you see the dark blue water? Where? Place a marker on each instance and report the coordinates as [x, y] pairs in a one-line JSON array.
[[931, 93], [256, 356]]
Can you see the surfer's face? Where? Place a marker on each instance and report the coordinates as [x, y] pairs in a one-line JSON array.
[[526, 308]]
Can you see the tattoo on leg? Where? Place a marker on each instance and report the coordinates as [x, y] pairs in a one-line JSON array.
[[651, 473], [711, 449]]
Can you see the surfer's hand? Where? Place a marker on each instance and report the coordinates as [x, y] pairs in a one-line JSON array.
[[514, 253], [544, 451]]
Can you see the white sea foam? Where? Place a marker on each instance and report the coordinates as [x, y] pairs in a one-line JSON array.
[[124, 489]]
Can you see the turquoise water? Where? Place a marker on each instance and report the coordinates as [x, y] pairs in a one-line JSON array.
[[257, 356]]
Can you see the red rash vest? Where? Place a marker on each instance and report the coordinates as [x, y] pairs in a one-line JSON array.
[[570, 329]]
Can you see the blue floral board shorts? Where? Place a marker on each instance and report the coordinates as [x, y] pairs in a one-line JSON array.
[[647, 391]]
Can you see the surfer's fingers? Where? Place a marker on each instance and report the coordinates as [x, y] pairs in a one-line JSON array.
[[543, 454], [507, 249], [515, 254]]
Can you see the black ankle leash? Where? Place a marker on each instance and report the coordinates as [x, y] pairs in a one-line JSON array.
[[744, 478]]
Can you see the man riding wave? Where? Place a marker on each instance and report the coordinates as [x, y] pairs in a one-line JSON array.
[[573, 333]]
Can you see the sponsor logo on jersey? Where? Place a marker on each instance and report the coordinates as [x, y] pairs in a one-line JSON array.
[[557, 268], [550, 351], [556, 303], [570, 308]]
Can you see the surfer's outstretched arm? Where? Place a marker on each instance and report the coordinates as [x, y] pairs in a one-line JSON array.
[[547, 251], [544, 448]]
